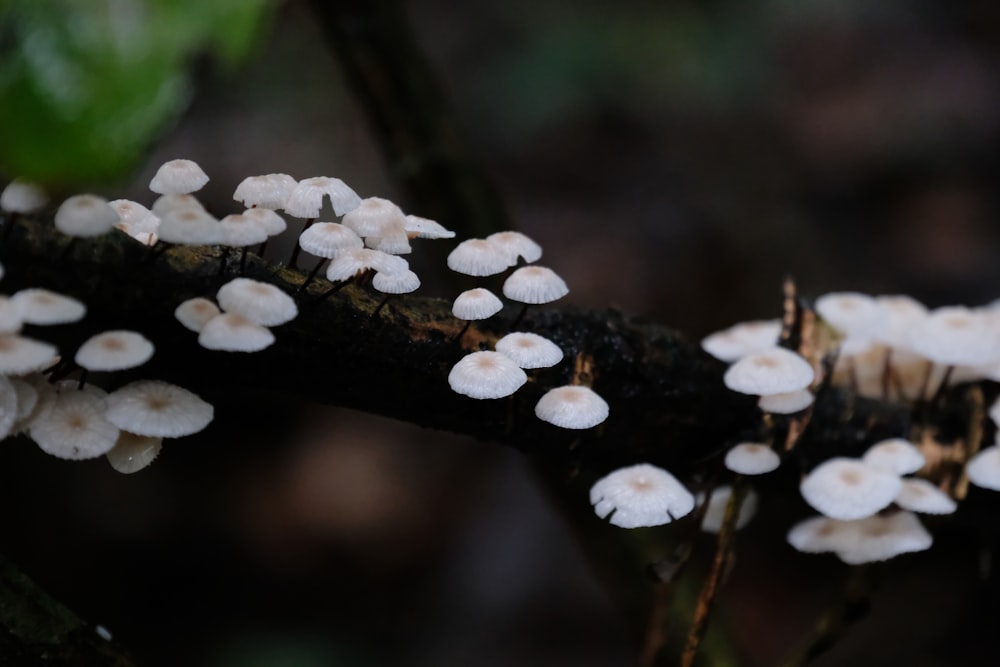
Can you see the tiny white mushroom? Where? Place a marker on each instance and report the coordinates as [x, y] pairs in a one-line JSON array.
[[114, 351], [529, 350], [715, 513], [517, 245], [919, 495], [640, 495], [846, 489], [232, 332], [774, 371], [534, 285], [478, 257], [73, 426], [739, 340], [158, 409], [268, 191], [752, 458], [44, 307], [422, 228], [572, 407], [894, 455], [476, 304], [880, 538], [20, 355], [306, 198], [178, 177], [189, 226], [786, 403], [483, 375], [194, 313], [86, 216], [261, 303], [132, 452], [22, 197]]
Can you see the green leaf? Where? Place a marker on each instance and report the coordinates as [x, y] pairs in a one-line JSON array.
[[86, 86]]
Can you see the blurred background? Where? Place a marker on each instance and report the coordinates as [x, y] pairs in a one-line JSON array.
[[674, 159]]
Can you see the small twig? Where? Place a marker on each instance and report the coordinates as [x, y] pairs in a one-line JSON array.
[[710, 589]]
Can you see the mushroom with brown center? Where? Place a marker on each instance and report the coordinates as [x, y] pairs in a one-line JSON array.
[[640, 495]]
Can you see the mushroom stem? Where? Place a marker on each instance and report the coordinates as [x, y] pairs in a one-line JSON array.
[[333, 290], [68, 249], [382, 303], [243, 259], [458, 336], [83, 379], [939, 394], [293, 260], [311, 276], [223, 256], [262, 248], [520, 316]]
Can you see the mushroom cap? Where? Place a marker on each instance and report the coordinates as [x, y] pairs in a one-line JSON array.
[[516, 244], [752, 458], [424, 228], [482, 375], [326, 239], [820, 534], [194, 313], [846, 489], [534, 284], [232, 332], [27, 397], [774, 371], [956, 335], [894, 455], [85, 216], [135, 219], [74, 426], [132, 452], [573, 407], [529, 350], [640, 495], [375, 216], [241, 231], [350, 263], [983, 469], [900, 314], [261, 303], [396, 283], [114, 351], [306, 198], [189, 226], [879, 538], [20, 355], [715, 513], [178, 177], [787, 403], [268, 191], [478, 257], [170, 203], [44, 307], [851, 313], [272, 223], [741, 339], [22, 197], [476, 304], [393, 241], [919, 495], [158, 409]]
